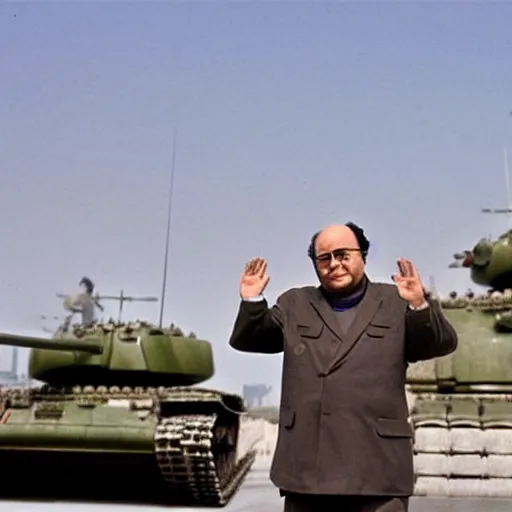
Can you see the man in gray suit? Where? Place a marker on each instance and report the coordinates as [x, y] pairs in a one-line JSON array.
[[344, 440]]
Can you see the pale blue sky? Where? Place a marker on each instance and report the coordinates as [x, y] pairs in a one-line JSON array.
[[290, 116]]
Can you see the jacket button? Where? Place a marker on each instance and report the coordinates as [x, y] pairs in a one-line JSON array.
[[299, 349]]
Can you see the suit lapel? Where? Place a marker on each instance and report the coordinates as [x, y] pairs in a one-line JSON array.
[[327, 314], [366, 310]]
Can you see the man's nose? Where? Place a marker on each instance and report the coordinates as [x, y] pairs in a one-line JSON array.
[[334, 262]]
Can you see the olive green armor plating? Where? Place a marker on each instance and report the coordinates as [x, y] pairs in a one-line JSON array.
[[461, 404], [117, 409]]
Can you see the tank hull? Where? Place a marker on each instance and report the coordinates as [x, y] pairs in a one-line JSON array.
[[463, 445], [168, 445], [461, 411]]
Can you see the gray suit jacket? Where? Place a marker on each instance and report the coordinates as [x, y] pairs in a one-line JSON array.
[[343, 420]]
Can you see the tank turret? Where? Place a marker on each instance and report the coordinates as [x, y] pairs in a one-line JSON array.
[[119, 403], [461, 404], [123, 354], [489, 263]]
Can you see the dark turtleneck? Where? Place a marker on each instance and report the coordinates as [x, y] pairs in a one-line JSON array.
[[344, 305], [343, 301]]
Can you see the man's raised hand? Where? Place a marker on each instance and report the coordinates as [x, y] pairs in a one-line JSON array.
[[254, 279]]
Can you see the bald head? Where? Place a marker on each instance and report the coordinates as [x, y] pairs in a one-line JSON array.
[[337, 234], [339, 253], [343, 232]]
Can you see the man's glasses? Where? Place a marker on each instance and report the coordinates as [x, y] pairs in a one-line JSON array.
[[340, 255]]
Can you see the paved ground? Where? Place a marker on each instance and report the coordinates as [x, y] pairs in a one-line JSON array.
[[257, 495]]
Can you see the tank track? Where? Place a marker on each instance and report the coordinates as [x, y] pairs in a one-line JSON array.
[[463, 445], [196, 453]]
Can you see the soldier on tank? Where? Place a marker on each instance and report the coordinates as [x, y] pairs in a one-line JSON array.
[[83, 302]]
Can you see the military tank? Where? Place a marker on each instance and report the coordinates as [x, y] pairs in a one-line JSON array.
[[117, 415], [461, 404]]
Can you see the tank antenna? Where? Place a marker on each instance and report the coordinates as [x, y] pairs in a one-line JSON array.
[[507, 181], [507, 210], [169, 209]]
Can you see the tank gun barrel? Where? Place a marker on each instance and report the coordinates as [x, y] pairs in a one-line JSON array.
[[33, 342]]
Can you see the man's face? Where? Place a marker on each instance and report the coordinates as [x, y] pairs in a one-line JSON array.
[[338, 260]]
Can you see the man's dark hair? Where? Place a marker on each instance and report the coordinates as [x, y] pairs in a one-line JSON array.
[[362, 241]]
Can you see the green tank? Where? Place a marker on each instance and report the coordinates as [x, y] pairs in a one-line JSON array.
[[461, 404], [117, 414]]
